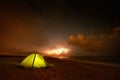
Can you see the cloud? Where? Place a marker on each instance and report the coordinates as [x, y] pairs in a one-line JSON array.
[[19, 28], [116, 31], [15, 34], [97, 45]]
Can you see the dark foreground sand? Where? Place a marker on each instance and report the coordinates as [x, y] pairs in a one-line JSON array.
[[62, 70]]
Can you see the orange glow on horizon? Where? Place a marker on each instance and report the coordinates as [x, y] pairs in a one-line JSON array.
[[57, 52]]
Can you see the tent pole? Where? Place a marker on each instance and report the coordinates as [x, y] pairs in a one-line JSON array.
[[33, 61]]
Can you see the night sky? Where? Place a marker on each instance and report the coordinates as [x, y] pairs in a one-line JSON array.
[[90, 26]]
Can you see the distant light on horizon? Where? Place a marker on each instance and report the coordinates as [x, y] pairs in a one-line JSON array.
[[57, 52]]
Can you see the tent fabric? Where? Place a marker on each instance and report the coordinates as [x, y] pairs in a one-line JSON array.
[[34, 60]]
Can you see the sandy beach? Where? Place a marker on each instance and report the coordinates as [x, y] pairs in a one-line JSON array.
[[62, 70]]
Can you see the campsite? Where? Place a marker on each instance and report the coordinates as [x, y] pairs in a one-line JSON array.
[[34, 60], [61, 70], [59, 39]]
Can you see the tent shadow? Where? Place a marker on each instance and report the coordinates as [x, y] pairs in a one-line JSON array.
[[48, 66]]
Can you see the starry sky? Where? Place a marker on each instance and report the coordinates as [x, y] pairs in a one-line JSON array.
[[32, 24]]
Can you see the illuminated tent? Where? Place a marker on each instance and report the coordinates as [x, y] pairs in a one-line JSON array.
[[34, 60]]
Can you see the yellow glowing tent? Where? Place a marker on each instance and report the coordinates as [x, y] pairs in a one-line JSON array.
[[34, 60]]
